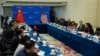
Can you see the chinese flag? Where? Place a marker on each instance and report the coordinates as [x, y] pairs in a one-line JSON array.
[[20, 17], [35, 27]]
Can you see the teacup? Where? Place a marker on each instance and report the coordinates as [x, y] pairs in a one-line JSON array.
[[34, 34]]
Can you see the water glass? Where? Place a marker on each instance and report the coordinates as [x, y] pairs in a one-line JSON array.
[[39, 39], [44, 43], [52, 53], [34, 34]]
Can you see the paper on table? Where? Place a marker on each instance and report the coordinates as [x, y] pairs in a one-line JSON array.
[[51, 46], [25, 31], [33, 39], [41, 53]]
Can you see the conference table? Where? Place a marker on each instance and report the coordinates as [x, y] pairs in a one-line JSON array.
[[80, 44], [47, 50], [75, 41], [44, 50]]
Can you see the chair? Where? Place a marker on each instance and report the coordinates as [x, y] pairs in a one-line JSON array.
[[97, 31], [6, 45]]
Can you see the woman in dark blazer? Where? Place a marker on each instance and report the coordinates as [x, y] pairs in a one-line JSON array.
[[88, 28]]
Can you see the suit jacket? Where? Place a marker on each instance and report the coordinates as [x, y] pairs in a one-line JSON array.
[[8, 33], [67, 24], [24, 53], [81, 27], [89, 30], [14, 44], [11, 35]]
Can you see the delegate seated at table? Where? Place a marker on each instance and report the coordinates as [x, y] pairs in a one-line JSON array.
[[29, 49], [81, 26], [21, 44], [88, 29]]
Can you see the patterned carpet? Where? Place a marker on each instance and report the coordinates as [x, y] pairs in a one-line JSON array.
[[67, 51]]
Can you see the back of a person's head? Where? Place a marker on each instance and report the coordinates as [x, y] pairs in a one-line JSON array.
[[89, 25], [76, 24], [22, 27], [29, 44], [73, 22], [18, 31], [12, 22], [24, 39], [6, 17]]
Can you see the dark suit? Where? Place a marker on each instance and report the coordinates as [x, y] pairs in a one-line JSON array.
[[67, 23], [12, 36], [14, 44], [81, 27], [10, 33], [89, 30], [24, 53]]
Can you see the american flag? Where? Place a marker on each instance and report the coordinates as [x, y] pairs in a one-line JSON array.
[[44, 19]]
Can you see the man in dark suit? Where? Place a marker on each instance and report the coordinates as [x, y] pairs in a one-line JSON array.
[[29, 49], [11, 30], [81, 26], [16, 39], [9, 34], [68, 23]]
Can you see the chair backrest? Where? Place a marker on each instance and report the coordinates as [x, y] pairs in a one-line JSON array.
[[97, 31]]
